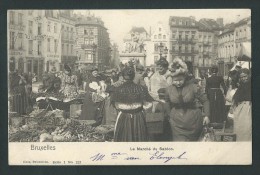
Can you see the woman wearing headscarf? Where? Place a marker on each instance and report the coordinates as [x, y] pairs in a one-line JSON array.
[[92, 108], [69, 85], [216, 96], [243, 107], [130, 99], [185, 117]]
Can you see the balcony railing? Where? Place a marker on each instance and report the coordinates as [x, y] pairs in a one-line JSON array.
[[19, 27], [184, 40]]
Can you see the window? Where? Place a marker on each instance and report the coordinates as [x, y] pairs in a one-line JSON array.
[[156, 47], [12, 17], [30, 29], [71, 49], [67, 49], [67, 32], [160, 36], [55, 28], [173, 34], [49, 45], [55, 45], [180, 37], [186, 48], [30, 51], [20, 41], [20, 19], [12, 40], [186, 23], [88, 55], [155, 36], [180, 48], [186, 37], [164, 36], [71, 33], [39, 28], [49, 27], [160, 29], [85, 32], [39, 47], [62, 48]]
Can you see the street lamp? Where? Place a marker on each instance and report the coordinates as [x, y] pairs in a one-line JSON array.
[[162, 50]]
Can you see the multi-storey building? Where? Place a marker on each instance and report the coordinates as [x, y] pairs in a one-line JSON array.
[[92, 42], [16, 28], [34, 39], [242, 33], [159, 38], [183, 38], [52, 43], [208, 42], [226, 48], [68, 37]]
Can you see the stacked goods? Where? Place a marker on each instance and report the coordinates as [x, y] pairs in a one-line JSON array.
[[51, 126], [54, 96]]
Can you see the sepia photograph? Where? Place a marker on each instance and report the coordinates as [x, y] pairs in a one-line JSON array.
[[100, 77]]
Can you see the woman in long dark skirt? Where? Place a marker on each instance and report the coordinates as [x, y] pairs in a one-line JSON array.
[[19, 100], [92, 110], [130, 100], [216, 96]]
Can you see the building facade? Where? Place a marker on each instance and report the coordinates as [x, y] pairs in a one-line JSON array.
[[52, 43], [17, 47], [226, 48], [183, 39], [68, 38], [92, 42], [209, 30], [242, 33], [34, 41], [159, 36]]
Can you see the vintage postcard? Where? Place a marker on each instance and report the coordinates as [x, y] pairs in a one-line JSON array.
[[129, 87]]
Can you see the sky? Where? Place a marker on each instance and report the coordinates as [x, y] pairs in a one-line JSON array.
[[120, 22]]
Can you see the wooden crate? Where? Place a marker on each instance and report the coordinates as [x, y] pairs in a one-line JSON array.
[[225, 137], [154, 122]]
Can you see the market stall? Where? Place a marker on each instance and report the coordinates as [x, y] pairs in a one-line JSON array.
[[244, 56]]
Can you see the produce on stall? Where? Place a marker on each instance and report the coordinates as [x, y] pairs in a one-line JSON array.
[[51, 126]]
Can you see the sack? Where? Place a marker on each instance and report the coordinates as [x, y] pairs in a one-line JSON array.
[[207, 135]]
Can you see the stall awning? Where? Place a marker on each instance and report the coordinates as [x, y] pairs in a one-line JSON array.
[[244, 54]]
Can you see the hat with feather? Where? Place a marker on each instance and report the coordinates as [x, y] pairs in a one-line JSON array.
[[178, 67]]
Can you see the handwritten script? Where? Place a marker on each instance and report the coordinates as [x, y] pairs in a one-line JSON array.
[[151, 156]]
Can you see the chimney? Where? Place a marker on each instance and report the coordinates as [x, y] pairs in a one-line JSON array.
[[220, 22]]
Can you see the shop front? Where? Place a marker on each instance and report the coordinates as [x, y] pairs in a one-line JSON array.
[[35, 66]]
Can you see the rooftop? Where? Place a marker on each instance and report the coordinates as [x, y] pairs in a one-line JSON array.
[[89, 20], [138, 30], [243, 21], [211, 24]]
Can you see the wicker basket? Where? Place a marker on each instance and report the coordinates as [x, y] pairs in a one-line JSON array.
[[154, 122]]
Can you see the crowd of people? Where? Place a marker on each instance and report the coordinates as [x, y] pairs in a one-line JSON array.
[[124, 96]]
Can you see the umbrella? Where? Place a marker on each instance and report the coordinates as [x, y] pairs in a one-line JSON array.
[[245, 52]]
